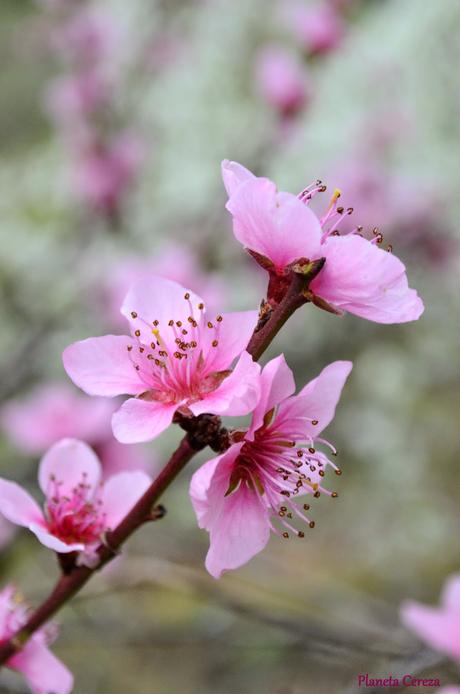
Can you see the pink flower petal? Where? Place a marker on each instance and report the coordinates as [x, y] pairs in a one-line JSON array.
[[54, 543], [18, 506], [238, 523], [277, 225], [142, 420], [201, 481], [439, 629], [43, 671], [101, 366], [318, 399], [234, 175], [450, 597], [158, 299], [240, 532], [238, 393], [363, 279], [69, 463], [316, 402], [233, 334], [277, 384], [121, 492]]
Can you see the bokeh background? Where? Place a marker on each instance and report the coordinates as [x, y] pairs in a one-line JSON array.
[[115, 116]]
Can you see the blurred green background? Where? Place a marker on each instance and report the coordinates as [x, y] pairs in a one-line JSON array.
[[383, 120]]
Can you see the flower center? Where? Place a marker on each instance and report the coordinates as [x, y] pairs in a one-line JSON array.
[[75, 517], [175, 359], [278, 469], [335, 214]]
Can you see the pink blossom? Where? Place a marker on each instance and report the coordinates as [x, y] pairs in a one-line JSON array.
[[88, 38], [439, 627], [165, 49], [405, 208], [238, 495], [358, 276], [78, 508], [43, 672], [319, 28], [281, 80], [55, 411], [174, 261], [73, 98], [104, 172], [178, 358]]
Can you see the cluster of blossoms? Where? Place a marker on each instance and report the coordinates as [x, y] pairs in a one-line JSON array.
[[281, 78], [105, 157], [182, 362], [177, 361], [43, 672], [178, 358]]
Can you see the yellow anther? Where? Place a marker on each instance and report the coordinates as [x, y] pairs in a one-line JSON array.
[[335, 196]]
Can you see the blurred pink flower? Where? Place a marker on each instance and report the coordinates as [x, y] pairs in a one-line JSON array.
[[43, 672], [74, 98], [319, 28], [281, 80], [175, 262], [405, 209], [178, 359], [51, 412], [104, 172], [280, 228], [439, 627], [78, 508], [237, 494], [88, 38], [165, 50], [55, 411]]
